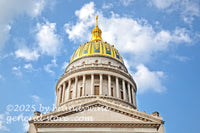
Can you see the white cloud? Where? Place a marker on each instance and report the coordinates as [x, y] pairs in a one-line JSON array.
[[107, 5], [28, 67], [48, 42], [10, 9], [188, 9], [2, 120], [1, 77], [126, 2], [35, 98], [4, 34], [139, 39], [181, 58], [27, 54], [85, 21], [162, 4], [17, 71], [64, 65], [48, 67], [86, 11], [148, 80]]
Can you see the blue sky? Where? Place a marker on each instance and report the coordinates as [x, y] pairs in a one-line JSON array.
[[158, 39]]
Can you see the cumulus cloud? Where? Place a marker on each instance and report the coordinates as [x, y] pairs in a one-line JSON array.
[[148, 80], [10, 9], [126, 2], [27, 54], [4, 33], [162, 4], [35, 98], [17, 70], [107, 5], [1, 77], [48, 41], [28, 66], [80, 30], [181, 58], [139, 39], [2, 126], [48, 67], [188, 9]]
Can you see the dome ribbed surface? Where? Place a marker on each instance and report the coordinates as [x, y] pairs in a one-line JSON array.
[[96, 48]]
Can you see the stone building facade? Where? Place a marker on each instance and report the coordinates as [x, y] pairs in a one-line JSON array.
[[96, 94]]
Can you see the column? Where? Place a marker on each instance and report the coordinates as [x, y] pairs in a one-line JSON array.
[[92, 84], [124, 90], [101, 85], [117, 87], [135, 98], [109, 85], [60, 95], [63, 93], [75, 87], [69, 88], [129, 93], [83, 92], [57, 94], [133, 95], [78, 91]]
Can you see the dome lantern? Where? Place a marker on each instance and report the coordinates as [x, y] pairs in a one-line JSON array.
[[96, 32]]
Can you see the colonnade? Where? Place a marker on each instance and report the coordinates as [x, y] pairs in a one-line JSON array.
[[123, 89]]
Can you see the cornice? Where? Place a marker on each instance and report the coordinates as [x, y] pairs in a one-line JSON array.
[[96, 124]]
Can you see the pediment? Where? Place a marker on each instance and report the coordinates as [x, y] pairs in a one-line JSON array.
[[101, 111]]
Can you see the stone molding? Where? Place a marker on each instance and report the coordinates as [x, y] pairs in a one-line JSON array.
[[96, 124]]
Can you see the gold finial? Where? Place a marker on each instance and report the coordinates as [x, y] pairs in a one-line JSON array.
[[96, 32], [96, 20]]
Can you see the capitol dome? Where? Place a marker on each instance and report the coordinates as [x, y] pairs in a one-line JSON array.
[[96, 70]]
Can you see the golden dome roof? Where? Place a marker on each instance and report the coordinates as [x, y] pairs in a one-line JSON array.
[[96, 47]]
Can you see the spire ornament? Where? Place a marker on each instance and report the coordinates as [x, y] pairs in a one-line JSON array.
[[96, 32], [97, 21]]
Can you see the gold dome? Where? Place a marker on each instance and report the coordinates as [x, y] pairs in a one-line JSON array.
[[96, 47]]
